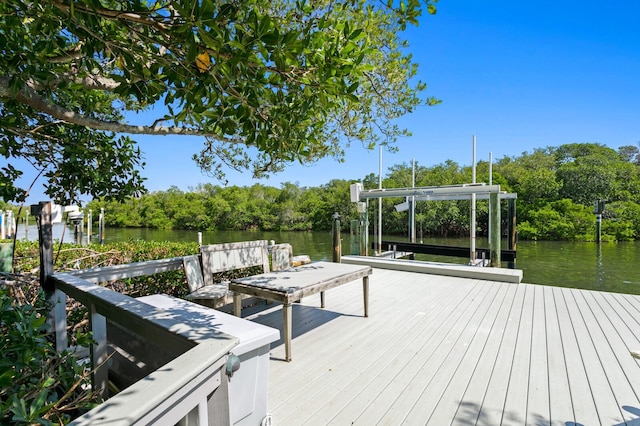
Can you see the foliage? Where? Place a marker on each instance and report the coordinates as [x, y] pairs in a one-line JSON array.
[[265, 82], [210, 207], [558, 220], [70, 256], [555, 188], [37, 384]]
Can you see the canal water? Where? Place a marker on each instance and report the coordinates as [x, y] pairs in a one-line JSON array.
[[607, 267]]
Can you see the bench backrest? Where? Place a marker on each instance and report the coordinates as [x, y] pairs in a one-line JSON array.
[[229, 256], [281, 256]]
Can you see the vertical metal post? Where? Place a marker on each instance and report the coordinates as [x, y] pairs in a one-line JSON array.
[[472, 226], [337, 252], [379, 247], [494, 219], [412, 200], [512, 230], [364, 231], [45, 236], [89, 225], [490, 183], [101, 226], [599, 209]]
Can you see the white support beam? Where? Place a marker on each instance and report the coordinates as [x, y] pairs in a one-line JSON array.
[[454, 190]]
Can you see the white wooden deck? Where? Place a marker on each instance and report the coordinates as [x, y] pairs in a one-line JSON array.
[[443, 350]]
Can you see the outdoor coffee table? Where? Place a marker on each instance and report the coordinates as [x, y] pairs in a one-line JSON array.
[[290, 285]]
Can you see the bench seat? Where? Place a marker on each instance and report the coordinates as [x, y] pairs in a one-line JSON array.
[[226, 257]]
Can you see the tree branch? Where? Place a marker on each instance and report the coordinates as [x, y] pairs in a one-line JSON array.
[[90, 82], [29, 97], [114, 14], [75, 53]]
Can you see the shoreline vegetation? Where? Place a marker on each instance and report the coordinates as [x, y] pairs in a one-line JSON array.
[[556, 188]]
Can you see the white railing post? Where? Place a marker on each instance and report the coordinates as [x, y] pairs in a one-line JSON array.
[[99, 378]]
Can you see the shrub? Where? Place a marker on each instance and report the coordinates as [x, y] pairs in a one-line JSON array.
[[37, 384]]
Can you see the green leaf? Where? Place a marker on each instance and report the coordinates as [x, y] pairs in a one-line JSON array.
[[265, 24], [357, 34]]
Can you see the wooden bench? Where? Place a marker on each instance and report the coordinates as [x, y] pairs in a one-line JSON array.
[[216, 258]]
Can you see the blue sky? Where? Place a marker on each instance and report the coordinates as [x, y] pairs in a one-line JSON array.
[[518, 74]]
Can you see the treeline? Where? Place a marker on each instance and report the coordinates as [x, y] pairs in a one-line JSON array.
[[556, 187]]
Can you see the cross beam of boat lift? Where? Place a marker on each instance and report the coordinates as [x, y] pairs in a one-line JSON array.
[[451, 192]]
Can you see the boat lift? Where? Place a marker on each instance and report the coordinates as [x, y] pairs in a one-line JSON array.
[[450, 192]]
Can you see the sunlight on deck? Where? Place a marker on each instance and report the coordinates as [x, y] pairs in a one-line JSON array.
[[442, 350]]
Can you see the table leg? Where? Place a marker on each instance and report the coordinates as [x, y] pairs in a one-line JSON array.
[[286, 324], [365, 292], [322, 299], [237, 304]]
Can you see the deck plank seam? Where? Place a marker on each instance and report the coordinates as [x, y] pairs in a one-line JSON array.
[[601, 321], [495, 359], [437, 331], [564, 353], [513, 361], [599, 350], [453, 346], [427, 324], [570, 332], [581, 352], [390, 323], [591, 345], [454, 300], [510, 335], [471, 340], [498, 311], [539, 330]]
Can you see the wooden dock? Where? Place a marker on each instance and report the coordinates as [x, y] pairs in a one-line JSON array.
[[445, 350]]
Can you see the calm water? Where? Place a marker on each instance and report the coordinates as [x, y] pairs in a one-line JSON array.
[[607, 267]]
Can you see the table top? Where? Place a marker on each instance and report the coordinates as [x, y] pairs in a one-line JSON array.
[[317, 274]]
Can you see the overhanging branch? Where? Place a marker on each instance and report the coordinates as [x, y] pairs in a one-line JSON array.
[[29, 97]]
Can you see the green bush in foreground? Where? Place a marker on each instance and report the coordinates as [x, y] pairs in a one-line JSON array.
[[37, 385]]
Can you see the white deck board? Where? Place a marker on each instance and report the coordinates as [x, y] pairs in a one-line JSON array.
[[492, 408], [560, 402], [444, 350], [477, 384], [515, 406], [538, 407], [611, 351], [448, 402], [584, 407], [355, 404], [608, 410]]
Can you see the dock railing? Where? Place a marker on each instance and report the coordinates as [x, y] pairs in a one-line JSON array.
[[190, 389]]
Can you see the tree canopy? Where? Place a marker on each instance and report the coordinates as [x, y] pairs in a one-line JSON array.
[[266, 82]]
